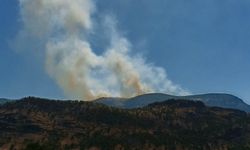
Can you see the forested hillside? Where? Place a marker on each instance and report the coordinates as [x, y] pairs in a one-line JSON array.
[[34, 123]]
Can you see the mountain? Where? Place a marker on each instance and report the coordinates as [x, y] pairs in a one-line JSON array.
[[41, 124], [221, 100], [218, 100], [34, 123], [3, 100], [135, 102]]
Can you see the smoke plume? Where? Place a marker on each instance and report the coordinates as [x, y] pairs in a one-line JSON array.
[[70, 60]]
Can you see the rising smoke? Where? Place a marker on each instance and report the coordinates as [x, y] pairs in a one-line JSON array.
[[71, 61]]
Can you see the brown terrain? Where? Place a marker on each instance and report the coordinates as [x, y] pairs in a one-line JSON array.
[[40, 124]]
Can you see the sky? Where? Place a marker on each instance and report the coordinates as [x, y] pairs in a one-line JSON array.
[[203, 45]]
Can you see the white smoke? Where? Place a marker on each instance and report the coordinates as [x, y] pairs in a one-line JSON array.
[[77, 69]]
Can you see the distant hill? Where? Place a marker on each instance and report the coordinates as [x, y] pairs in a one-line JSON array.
[[218, 100], [2, 101], [40, 124]]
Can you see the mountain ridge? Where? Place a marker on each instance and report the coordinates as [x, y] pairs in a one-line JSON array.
[[211, 99]]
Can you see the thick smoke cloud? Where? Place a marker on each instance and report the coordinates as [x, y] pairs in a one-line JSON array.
[[74, 65]]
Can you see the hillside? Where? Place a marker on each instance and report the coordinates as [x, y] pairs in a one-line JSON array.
[[213, 99], [34, 123], [3, 100]]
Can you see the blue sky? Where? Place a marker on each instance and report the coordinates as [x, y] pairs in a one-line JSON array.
[[203, 45]]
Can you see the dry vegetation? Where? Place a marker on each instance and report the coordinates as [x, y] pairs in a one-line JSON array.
[[37, 124]]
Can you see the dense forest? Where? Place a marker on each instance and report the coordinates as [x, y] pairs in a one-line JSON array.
[[41, 124]]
